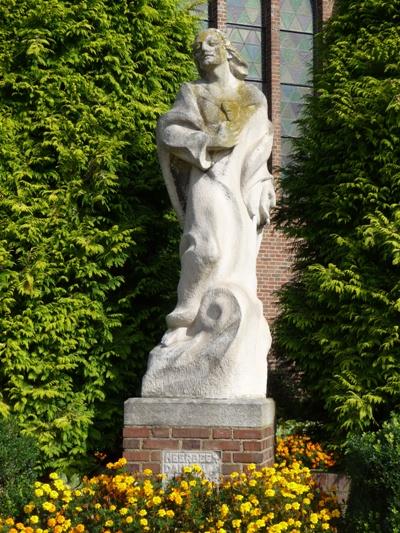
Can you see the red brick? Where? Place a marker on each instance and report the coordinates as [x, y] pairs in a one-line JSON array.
[[233, 445], [133, 467], [191, 444], [222, 433], [228, 469], [248, 457], [191, 433], [155, 456], [160, 432], [226, 457], [155, 467], [137, 455], [129, 444], [253, 446], [247, 434], [160, 444], [136, 431]]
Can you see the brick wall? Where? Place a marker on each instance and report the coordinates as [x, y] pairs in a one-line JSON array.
[[238, 447]]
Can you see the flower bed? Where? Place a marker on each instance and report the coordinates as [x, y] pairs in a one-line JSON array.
[[283, 498], [302, 449]]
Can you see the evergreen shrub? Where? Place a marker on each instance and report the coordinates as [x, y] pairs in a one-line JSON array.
[[87, 239], [373, 463], [19, 459], [340, 321]]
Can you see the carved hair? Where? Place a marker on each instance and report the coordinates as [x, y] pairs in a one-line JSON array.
[[237, 65]]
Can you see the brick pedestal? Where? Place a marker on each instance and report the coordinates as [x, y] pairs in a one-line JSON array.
[[241, 432]]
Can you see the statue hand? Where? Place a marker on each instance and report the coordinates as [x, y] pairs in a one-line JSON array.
[[226, 137], [267, 201]]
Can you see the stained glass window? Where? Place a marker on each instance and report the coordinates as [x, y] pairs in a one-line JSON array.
[[245, 31], [296, 42]]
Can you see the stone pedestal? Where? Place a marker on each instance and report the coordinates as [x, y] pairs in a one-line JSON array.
[[224, 435]]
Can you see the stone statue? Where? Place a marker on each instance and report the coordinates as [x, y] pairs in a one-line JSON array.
[[213, 148]]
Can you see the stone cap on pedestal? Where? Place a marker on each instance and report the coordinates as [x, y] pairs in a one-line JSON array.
[[235, 412]]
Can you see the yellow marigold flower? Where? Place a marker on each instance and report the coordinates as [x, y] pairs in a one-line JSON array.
[[197, 468], [29, 508], [314, 518], [112, 507], [234, 475], [239, 497], [220, 523], [270, 493], [162, 512], [251, 467], [51, 522], [19, 525], [80, 528], [252, 482], [288, 506], [170, 513], [53, 475], [245, 507], [13, 530], [193, 482], [129, 519], [224, 510], [157, 500], [296, 506], [123, 511], [34, 519], [236, 523], [184, 485], [109, 523], [142, 512], [306, 501], [336, 513], [221, 530], [49, 506], [39, 492], [325, 526], [143, 521], [148, 472], [77, 492]]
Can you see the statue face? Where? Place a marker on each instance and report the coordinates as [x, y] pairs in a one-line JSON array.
[[209, 49]]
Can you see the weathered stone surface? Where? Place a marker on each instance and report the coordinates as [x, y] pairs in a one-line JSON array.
[[181, 412], [172, 463], [213, 148]]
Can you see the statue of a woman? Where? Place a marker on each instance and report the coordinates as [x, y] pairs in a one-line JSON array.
[[213, 148]]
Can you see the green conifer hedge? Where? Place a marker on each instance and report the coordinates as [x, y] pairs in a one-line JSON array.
[[341, 314], [88, 261]]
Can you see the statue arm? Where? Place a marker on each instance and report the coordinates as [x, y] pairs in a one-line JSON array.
[[182, 132]]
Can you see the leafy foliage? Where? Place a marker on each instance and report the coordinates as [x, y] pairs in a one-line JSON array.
[[373, 462], [87, 241], [19, 456], [341, 314]]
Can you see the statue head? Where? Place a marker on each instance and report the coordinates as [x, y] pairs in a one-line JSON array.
[[211, 48]]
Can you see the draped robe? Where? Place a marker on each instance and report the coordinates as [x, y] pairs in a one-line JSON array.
[[216, 193]]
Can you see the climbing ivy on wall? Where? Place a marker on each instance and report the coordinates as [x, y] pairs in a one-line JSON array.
[[88, 262], [340, 322]]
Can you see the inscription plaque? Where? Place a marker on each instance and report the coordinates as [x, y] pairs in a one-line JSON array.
[[210, 462]]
